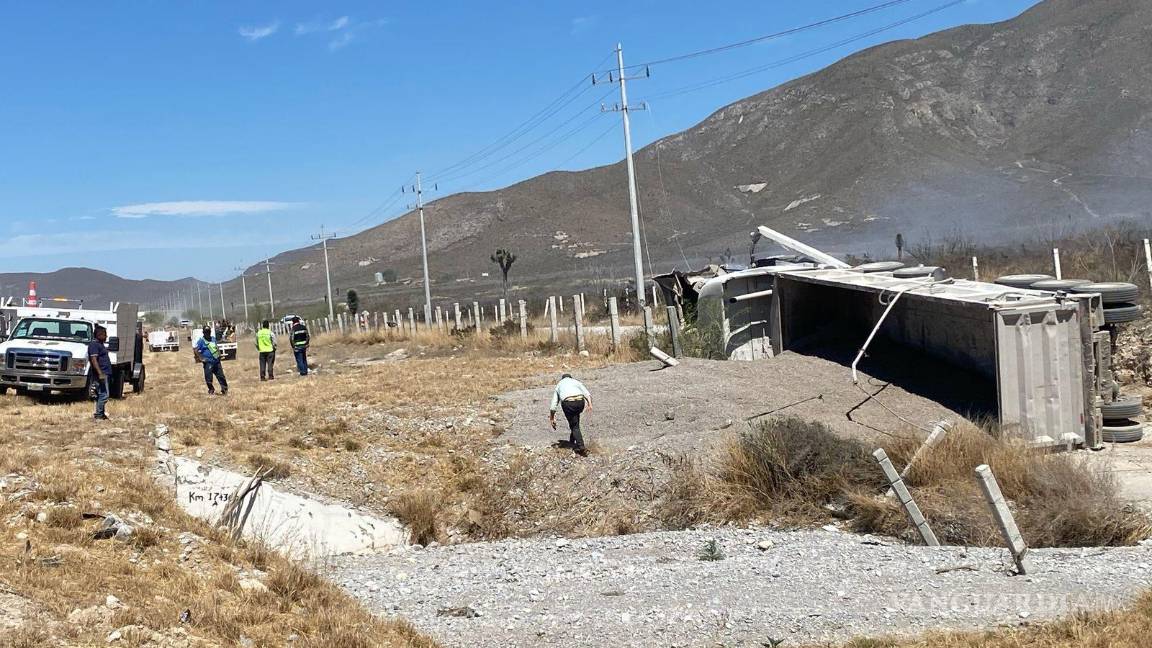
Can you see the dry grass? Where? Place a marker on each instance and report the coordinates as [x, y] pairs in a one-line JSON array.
[[798, 473], [419, 511], [60, 463], [1128, 628]]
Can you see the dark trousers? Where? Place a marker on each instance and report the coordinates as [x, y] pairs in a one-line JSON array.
[[214, 368], [572, 411], [301, 354], [267, 364]]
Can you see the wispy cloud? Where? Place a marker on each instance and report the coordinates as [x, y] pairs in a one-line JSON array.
[[340, 41], [317, 26], [195, 208], [580, 24], [259, 32]]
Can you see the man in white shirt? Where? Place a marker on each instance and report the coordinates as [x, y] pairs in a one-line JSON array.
[[573, 398]]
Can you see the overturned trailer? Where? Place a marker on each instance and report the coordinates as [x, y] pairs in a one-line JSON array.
[[1036, 358]]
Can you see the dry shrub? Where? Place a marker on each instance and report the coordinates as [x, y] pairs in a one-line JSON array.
[[276, 469], [418, 511], [792, 468], [1058, 499]]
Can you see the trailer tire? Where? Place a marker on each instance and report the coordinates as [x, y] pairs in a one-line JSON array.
[[1058, 284], [138, 383], [1128, 407], [1121, 313], [116, 384], [1128, 432], [1112, 292], [1022, 280]]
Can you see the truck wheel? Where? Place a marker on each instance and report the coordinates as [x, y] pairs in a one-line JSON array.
[[116, 384], [138, 384]]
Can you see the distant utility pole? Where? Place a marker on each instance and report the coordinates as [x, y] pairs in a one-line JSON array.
[[419, 191], [211, 310], [244, 288], [200, 299], [324, 238], [623, 108], [223, 313], [271, 299]]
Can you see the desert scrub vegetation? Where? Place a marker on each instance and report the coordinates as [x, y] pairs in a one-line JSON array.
[[174, 581], [792, 472]]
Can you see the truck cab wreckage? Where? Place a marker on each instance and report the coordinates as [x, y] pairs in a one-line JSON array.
[[1038, 361]]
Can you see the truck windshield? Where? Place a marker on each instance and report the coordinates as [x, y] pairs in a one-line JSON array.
[[52, 329]]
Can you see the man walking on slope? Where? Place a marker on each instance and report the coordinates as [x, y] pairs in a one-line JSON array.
[[573, 398], [300, 340], [209, 355], [266, 345]]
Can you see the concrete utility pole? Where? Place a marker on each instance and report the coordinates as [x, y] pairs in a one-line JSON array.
[[244, 288], [211, 310], [223, 311], [200, 299], [271, 299], [324, 238], [418, 189], [623, 108]]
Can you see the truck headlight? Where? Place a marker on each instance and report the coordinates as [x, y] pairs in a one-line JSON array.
[[79, 365]]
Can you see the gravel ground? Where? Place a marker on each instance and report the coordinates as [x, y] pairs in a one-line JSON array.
[[682, 408], [654, 590]]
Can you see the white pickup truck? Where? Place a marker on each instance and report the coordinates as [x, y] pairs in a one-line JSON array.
[[163, 341], [46, 349]]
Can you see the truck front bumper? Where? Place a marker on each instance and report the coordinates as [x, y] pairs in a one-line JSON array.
[[42, 381]]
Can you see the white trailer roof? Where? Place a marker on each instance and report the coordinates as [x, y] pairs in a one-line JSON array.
[[955, 290]]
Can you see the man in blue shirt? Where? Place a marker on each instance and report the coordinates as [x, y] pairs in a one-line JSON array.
[[208, 354], [101, 368]]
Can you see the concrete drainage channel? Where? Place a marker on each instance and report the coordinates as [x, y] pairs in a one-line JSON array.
[[297, 525]]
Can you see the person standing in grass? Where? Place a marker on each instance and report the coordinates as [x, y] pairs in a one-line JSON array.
[[573, 398], [209, 355], [266, 346], [101, 368], [300, 341]]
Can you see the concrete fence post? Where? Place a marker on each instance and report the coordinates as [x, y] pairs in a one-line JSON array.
[[1148, 261], [649, 328], [614, 323], [906, 501], [477, 316], [412, 320], [1004, 519], [503, 313], [674, 331], [553, 328], [523, 319], [975, 269], [1056, 263], [456, 315], [439, 319], [668, 360], [578, 319], [399, 321]]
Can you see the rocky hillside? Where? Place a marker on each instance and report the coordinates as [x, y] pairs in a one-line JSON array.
[[1021, 129], [95, 287]]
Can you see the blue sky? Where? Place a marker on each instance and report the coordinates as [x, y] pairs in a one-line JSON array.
[[161, 139]]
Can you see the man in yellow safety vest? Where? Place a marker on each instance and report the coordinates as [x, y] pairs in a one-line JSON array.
[[266, 345]]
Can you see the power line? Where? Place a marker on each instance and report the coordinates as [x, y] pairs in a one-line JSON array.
[[602, 135], [530, 144], [760, 39], [545, 113], [803, 55]]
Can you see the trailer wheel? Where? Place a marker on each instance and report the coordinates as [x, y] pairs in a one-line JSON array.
[[1121, 313], [1058, 284], [138, 384], [1128, 432], [1128, 407], [1112, 292], [1022, 280]]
